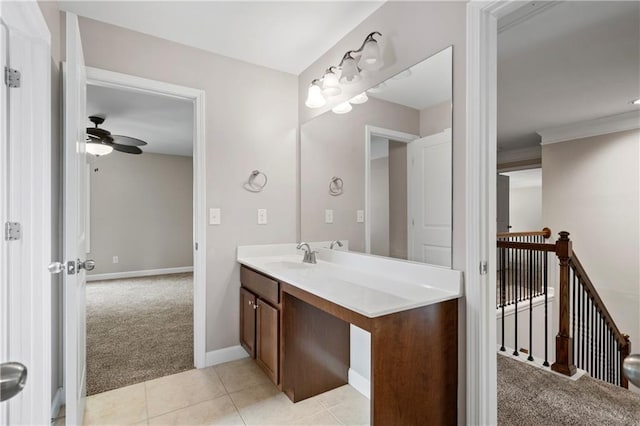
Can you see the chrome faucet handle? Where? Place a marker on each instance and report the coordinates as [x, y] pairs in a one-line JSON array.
[[302, 245], [336, 242], [312, 257]]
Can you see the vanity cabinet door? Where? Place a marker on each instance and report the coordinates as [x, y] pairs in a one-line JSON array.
[[267, 349], [248, 321]]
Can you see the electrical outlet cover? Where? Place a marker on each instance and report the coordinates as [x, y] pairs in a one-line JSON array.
[[328, 216]]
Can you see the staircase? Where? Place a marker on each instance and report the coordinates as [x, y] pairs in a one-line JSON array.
[[587, 336]]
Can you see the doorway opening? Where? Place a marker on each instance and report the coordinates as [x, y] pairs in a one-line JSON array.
[[145, 297]]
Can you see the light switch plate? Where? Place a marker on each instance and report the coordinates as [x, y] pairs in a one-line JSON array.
[[115, 259], [360, 216], [262, 216], [328, 216], [214, 217]]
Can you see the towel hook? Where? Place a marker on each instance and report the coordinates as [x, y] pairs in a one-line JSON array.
[[335, 186], [251, 184]]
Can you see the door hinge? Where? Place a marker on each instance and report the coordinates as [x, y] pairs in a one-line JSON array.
[[483, 268], [196, 244], [12, 231], [12, 77]]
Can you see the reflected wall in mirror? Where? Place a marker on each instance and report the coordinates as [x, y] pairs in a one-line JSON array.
[[393, 155]]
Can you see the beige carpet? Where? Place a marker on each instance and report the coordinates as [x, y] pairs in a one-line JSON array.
[[138, 329], [531, 396]]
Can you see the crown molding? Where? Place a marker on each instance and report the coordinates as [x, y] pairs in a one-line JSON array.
[[520, 154], [584, 129]]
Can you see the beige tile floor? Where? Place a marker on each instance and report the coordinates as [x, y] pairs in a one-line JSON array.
[[235, 393]]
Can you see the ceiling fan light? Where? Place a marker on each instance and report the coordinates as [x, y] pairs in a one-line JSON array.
[[314, 97], [371, 59], [359, 99], [98, 149], [330, 84], [342, 108], [350, 72]]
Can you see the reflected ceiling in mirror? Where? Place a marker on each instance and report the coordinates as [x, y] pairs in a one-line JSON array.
[[392, 153]]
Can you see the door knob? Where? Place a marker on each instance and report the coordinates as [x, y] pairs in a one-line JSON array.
[[87, 265], [13, 378], [56, 267]]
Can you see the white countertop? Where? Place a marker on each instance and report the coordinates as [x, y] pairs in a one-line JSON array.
[[369, 285]]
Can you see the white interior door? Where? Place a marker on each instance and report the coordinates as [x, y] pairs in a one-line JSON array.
[[502, 197], [429, 193], [75, 249]]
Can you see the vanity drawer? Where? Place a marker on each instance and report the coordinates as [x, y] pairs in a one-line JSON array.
[[263, 286]]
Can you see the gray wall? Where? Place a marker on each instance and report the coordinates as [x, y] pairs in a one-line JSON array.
[[380, 206], [591, 188], [398, 238], [53, 18], [525, 209], [251, 122], [435, 119], [141, 211], [414, 31], [334, 145]]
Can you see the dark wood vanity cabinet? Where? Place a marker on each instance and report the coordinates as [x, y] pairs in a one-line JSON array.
[[260, 320]]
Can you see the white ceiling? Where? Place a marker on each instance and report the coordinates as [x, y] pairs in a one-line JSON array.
[[423, 85], [286, 36], [165, 123], [574, 61]]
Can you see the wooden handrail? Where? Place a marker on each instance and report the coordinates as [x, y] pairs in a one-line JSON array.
[[578, 269], [546, 232]]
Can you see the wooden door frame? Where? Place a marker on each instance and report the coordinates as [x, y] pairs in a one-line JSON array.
[[104, 78], [25, 283], [481, 166], [370, 131]]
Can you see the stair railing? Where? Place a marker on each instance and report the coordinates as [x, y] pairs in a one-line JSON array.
[[588, 337]]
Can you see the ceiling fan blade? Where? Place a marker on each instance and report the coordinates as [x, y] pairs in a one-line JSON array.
[[128, 140], [126, 148], [100, 133]]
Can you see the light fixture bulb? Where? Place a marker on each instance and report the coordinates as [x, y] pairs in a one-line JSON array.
[[342, 108], [350, 72], [330, 84], [98, 149], [636, 102], [359, 99], [371, 59], [314, 97]]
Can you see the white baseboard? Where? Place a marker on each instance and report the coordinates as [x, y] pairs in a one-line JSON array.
[[58, 402], [134, 274], [223, 355], [360, 383]]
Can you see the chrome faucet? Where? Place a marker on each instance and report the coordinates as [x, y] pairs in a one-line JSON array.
[[333, 243], [309, 255]]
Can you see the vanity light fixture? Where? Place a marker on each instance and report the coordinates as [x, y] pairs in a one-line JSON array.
[[365, 59], [342, 108], [359, 99], [314, 95], [636, 102], [330, 84], [350, 72]]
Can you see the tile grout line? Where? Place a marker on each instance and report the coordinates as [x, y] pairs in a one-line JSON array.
[[334, 416], [229, 395]]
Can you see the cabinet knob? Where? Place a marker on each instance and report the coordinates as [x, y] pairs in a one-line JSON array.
[[250, 302]]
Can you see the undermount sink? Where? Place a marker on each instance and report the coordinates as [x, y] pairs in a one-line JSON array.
[[289, 264]]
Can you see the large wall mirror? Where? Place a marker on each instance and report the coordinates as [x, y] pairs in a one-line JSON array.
[[380, 175]]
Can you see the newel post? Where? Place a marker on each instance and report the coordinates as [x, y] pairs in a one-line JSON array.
[[564, 341], [625, 351]]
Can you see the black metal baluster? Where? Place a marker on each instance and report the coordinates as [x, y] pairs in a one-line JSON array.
[[573, 314], [502, 285], [530, 357], [584, 327], [515, 312], [588, 363], [546, 313]]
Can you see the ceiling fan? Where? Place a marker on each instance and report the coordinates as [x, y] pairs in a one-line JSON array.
[[102, 142]]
